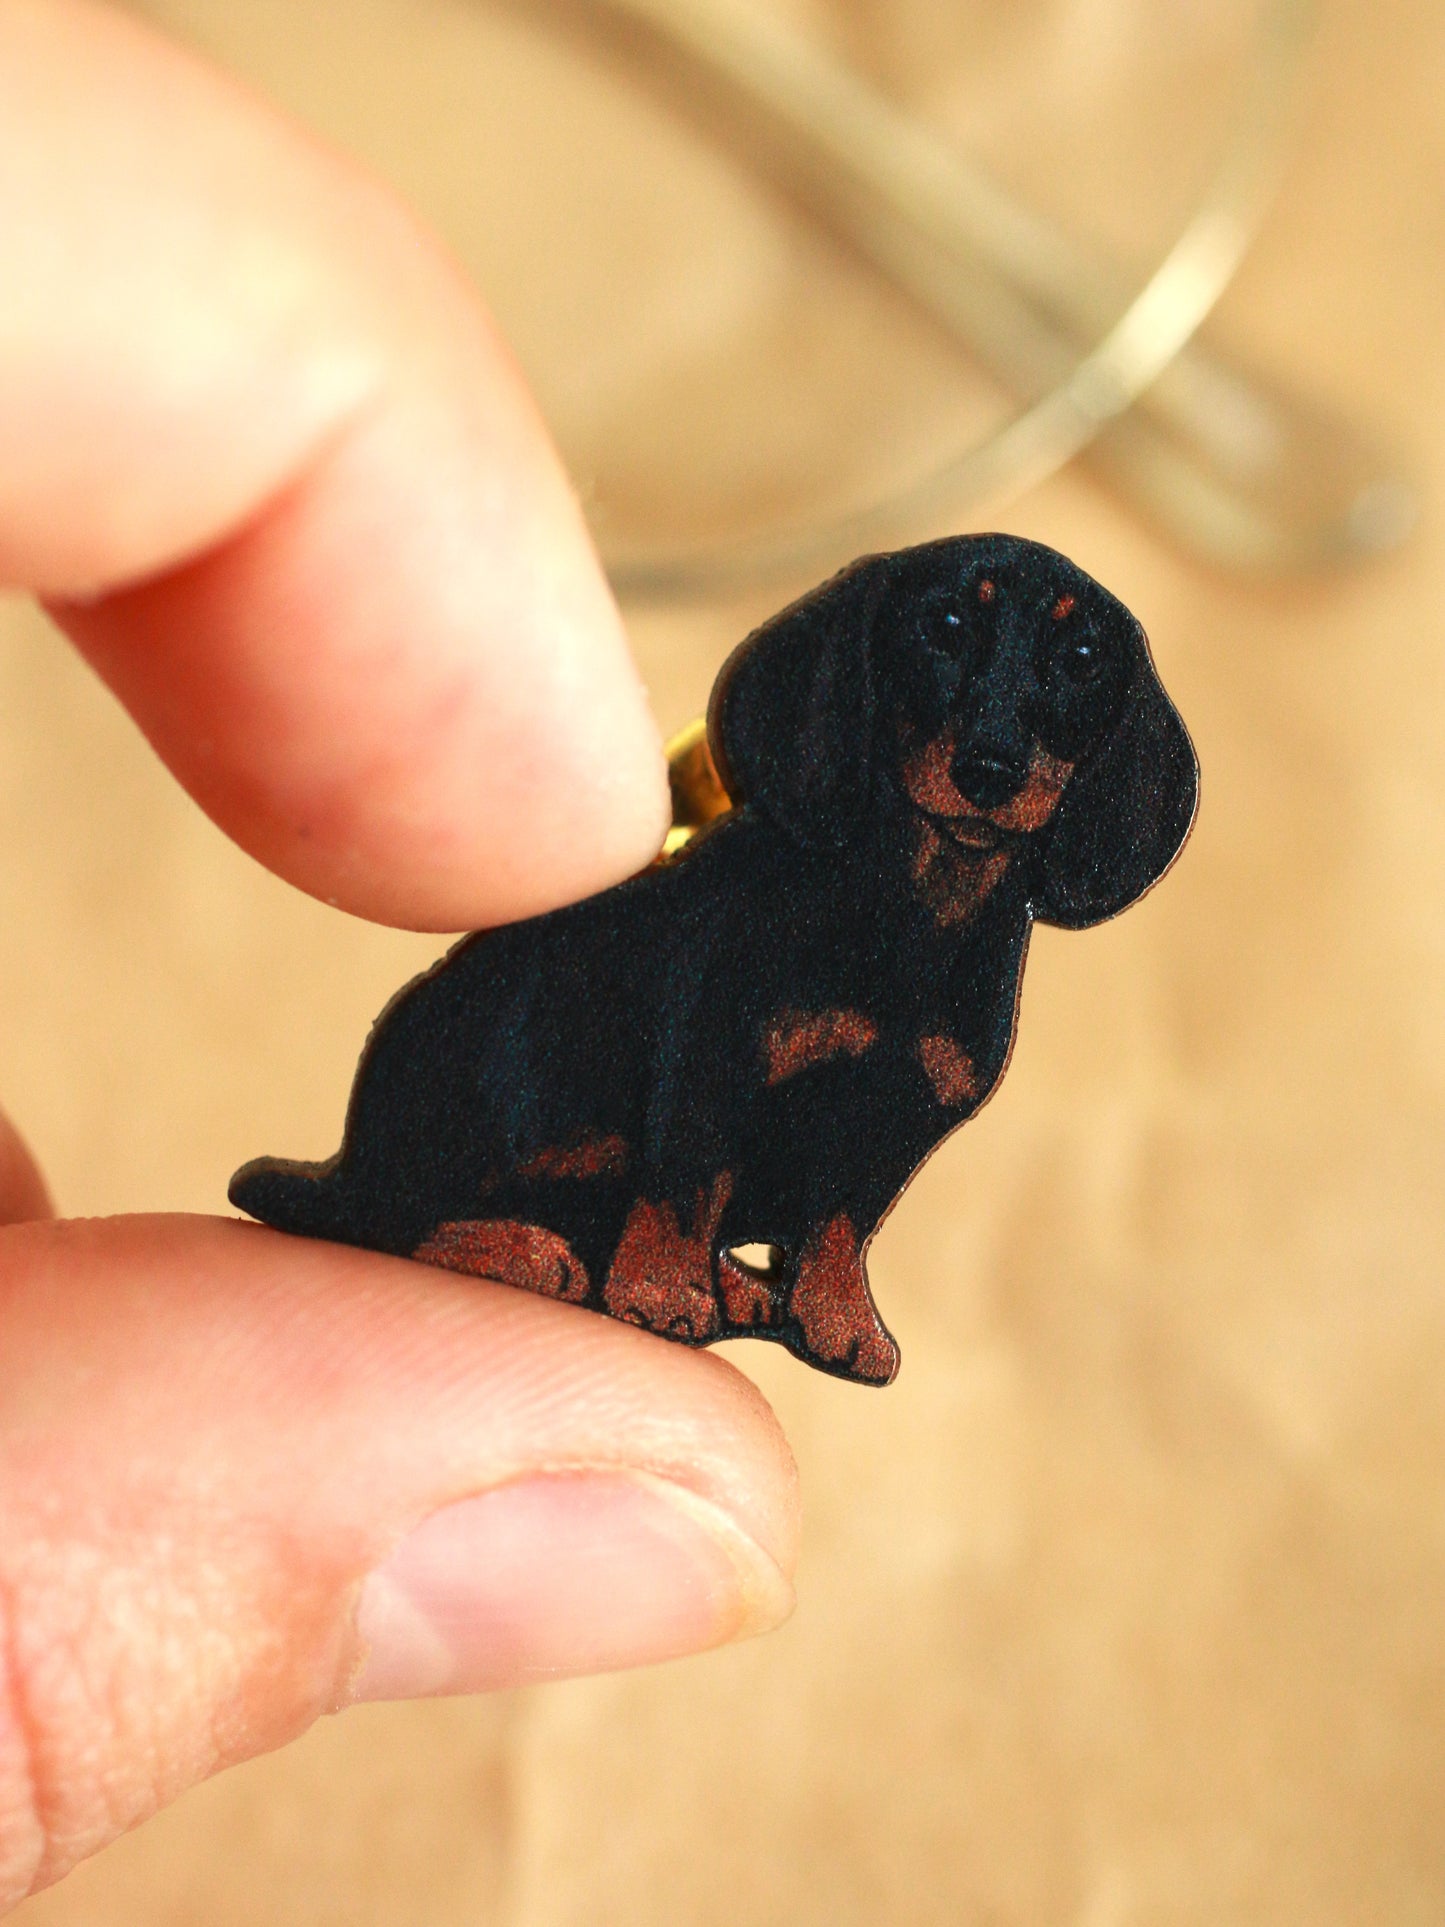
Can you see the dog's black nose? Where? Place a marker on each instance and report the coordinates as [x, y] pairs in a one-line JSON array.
[[989, 775]]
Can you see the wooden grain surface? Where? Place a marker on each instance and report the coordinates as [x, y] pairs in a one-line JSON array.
[[1127, 1603]]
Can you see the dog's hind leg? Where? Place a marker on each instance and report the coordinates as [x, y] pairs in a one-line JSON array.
[[510, 1252], [555, 1239]]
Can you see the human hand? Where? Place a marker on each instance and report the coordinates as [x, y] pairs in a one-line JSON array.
[[270, 468]]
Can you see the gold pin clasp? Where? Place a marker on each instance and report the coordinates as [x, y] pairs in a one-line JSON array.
[[698, 796]]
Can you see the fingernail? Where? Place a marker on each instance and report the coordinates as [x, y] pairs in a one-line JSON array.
[[562, 1574]]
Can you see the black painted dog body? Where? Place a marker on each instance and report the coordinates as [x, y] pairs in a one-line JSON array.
[[758, 1042]]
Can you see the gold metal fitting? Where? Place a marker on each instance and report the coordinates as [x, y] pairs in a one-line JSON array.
[[698, 796]]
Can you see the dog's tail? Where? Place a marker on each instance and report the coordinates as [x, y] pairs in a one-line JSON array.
[[304, 1198]]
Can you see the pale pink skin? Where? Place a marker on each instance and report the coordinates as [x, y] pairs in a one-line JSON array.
[[269, 465]]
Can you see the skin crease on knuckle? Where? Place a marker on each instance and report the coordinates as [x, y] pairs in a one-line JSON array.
[[106, 1652], [110, 1655]]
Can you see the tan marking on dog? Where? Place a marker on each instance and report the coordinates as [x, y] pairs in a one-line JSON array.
[[950, 881], [747, 1302], [661, 1273], [928, 780], [949, 1068], [525, 1255], [1040, 796], [589, 1157], [797, 1038], [955, 868], [835, 1309]]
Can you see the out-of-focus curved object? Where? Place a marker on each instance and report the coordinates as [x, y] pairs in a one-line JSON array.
[[1229, 464]]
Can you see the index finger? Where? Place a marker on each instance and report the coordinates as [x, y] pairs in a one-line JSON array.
[[272, 469]]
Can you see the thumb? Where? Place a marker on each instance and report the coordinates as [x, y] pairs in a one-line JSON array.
[[248, 1479]]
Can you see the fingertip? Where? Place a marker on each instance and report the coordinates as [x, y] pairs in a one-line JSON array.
[[271, 465], [24, 1195], [403, 688]]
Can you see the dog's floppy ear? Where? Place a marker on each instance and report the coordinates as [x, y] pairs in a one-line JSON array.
[[791, 720], [1125, 813]]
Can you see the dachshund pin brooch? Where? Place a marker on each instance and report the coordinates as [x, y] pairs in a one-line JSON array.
[[690, 1100]]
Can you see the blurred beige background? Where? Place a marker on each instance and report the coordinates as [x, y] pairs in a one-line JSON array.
[[1127, 1603]]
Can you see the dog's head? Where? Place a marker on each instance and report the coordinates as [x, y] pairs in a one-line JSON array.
[[988, 690]]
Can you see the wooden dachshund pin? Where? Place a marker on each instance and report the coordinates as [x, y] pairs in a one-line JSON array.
[[690, 1101]]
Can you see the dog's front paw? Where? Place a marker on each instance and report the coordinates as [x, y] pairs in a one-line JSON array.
[[661, 1277], [749, 1297], [833, 1309]]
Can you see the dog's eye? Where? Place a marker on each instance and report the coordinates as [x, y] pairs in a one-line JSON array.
[[945, 662], [1082, 660], [945, 635], [946, 656]]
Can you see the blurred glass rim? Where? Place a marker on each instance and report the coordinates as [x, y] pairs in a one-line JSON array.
[[740, 59]]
